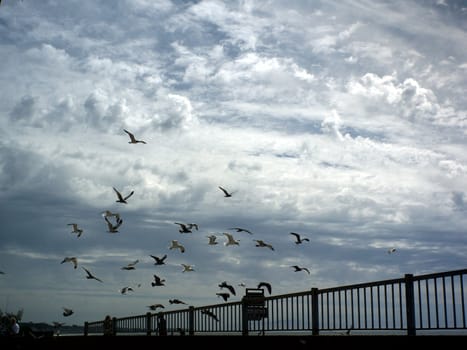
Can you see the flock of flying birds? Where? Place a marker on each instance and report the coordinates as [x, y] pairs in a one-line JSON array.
[[114, 221]]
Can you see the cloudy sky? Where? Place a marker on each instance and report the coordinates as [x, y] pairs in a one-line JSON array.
[[343, 121]]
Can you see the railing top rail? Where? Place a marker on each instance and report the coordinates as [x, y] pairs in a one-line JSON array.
[[441, 274], [362, 285]]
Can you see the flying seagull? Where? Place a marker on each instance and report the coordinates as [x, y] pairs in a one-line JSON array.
[[176, 245], [155, 306], [187, 268], [130, 266], [91, 276], [176, 301], [261, 243], [228, 286], [183, 228], [108, 213], [226, 193], [76, 229], [265, 284], [159, 261], [239, 229], [67, 312], [298, 238], [298, 268], [72, 259], [224, 296], [124, 290], [132, 138], [392, 250], [210, 314], [212, 240], [230, 239], [122, 199], [111, 227], [157, 281]]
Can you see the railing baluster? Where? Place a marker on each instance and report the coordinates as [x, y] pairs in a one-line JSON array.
[[445, 304], [428, 302], [420, 319], [461, 280], [453, 302], [436, 304]]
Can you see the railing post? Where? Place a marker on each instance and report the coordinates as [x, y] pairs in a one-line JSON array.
[[114, 326], [148, 323], [314, 312], [409, 304], [191, 320], [244, 317], [86, 328]]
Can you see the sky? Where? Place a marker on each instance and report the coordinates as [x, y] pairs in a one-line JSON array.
[[344, 121]]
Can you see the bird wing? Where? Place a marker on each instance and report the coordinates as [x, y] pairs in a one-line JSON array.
[[231, 289], [131, 193], [119, 195], [132, 137], [224, 190], [265, 284]]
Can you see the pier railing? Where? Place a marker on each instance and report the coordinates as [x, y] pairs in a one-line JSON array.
[[409, 304]]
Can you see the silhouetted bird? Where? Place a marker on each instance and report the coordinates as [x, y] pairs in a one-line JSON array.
[[76, 229], [261, 243], [226, 193], [210, 314], [298, 238], [90, 276], [228, 286], [183, 228], [122, 199], [265, 284], [212, 239], [67, 312], [157, 281], [230, 239], [239, 229], [155, 306], [111, 227], [130, 266], [176, 245], [224, 296], [392, 250], [132, 138], [124, 290], [298, 268], [159, 261], [176, 301], [72, 259]]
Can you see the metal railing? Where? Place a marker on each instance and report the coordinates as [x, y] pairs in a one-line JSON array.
[[425, 302]]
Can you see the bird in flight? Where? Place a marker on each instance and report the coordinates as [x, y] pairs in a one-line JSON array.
[[67, 312], [111, 227], [224, 296], [261, 243], [155, 306], [122, 199], [392, 250], [298, 268], [159, 261], [176, 245], [184, 228], [265, 284], [124, 290], [298, 238], [72, 259], [226, 193], [132, 138], [130, 266], [187, 268], [230, 239], [212, 240], [228, 286], [210, 314], [90, 275], [176, 301], [239, 229], [76, 229], [157, 281], [108, 214]]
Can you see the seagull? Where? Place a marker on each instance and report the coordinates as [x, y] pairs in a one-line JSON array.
[[122, 199], [392, 250], [108, 213], [124, 290], [76, 229], [128, 267], [176, 301], [260, 243], [210, 313], [90, 276], [239, 229], [176, 245], [187, 268], [230, 239], [155, 306], [113, 228], [72, 259], [159, 261], [224, 296], [298, 268], [132, 138], [158, 281], [67, 312], [212, 240], [298, 238], [226, 193], [265, 284], [228, 286], [183, 228]]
